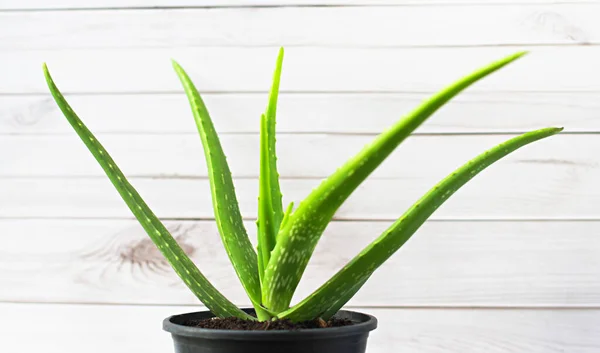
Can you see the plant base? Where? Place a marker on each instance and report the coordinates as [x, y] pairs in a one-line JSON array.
[[342, 339]]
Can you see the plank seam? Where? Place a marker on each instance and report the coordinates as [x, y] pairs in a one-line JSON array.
[[317, 46], [252, 6], [287, 133], [337, 220], [286, 92], [390, 307]]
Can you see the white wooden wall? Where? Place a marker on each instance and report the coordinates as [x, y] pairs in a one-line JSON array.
[[510, 264]]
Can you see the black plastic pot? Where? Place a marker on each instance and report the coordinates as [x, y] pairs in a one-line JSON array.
[[345, 339]]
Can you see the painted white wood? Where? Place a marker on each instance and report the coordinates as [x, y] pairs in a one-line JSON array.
[[98, 4], [219, 69], [508, 265], [538, 190], [422, 157], [119, 329], [554, 178], [304, 113], [445, 264], [414, 26]]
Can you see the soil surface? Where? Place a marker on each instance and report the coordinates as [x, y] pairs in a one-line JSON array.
[[234, 323]]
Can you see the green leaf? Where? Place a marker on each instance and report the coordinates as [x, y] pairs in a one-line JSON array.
[[304, 228], [270, 208], [365, 263], [181, 263], [339, 303], [286, 216], [225, 204]]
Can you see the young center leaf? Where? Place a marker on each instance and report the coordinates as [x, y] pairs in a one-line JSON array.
[[344, 282], [304, 228], [225, 204], [270, 209], [181, 263]]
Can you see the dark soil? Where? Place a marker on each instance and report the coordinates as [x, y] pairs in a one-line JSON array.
[[234, 323]]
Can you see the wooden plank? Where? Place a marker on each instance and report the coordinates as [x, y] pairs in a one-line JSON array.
[[313, 156], [218, 69], [413, 26], [121, 329], [555, 178], [446, 264], [128, 4], [498, 112], [521, 189]]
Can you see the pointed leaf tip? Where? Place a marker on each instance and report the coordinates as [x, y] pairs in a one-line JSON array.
[[346, 282], [553, 130], [510, 58], [46, 73], [175, 64], [225, 205], [521, 53], [317, 209]]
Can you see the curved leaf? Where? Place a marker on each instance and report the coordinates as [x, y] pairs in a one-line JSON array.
[[365, 263], [304, 228], [270, 209], [181, 263], [225, 204]]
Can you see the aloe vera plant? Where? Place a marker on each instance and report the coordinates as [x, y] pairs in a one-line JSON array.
[[288, 236]]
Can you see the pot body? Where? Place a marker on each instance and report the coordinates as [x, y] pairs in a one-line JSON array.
[[345, 339]]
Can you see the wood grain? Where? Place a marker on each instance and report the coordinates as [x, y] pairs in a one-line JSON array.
[[509, 265], [446, 264], [118, 329], [419, 159], [555, 178], [495, 112], [540, 190], [219, 69], [413, 26], [128, 4]]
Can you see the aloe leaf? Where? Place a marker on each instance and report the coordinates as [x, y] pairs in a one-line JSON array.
[[304, 228], [267, 225], [225, 204], [270, 208], [181, 263], [270, 161], [286, 216], [375, 254], [339, 303]]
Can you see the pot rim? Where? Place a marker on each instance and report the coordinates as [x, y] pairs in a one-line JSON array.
[[364, 324]]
